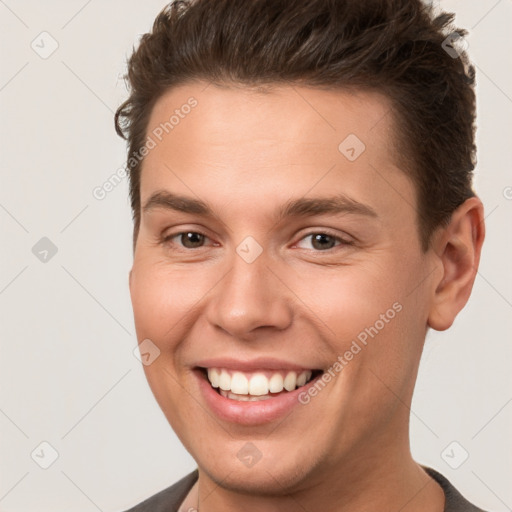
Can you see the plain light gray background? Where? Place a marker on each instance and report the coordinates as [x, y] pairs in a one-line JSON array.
[[68, 374]]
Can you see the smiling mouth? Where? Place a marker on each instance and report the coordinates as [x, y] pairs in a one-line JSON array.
[[257, 385]]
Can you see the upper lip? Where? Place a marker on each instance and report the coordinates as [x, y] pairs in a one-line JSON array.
[[251, 365]]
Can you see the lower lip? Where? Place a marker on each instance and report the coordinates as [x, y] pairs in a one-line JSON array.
[[250, 413]]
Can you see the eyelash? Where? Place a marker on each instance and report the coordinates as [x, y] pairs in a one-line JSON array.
[[166, 240]]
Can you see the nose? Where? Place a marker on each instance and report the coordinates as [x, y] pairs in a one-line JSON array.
[[249, 298]]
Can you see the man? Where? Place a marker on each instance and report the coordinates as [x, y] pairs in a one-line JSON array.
[[300, 177]]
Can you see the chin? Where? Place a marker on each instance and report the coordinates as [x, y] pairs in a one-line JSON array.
[[263, 481], [285, 471]]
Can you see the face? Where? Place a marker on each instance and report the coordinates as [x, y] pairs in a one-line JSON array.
[[279, 246]]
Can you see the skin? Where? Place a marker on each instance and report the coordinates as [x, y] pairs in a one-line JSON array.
[[246, 153]]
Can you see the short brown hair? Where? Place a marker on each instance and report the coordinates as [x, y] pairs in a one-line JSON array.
[[396, 47]]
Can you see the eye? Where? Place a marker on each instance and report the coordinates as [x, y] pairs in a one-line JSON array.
[[187, 239], [321, 241]]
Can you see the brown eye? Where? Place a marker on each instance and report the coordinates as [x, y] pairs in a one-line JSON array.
[[184, 239], [321, 241], [191, 239]]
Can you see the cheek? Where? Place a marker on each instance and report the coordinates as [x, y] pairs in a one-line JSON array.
[[163, 300], [348, 299], [368, 312], [164, 297]]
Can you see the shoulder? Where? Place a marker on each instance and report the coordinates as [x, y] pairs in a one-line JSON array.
[[455, 502], [169, 499]]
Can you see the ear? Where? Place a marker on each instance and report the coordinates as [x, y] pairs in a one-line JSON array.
[[458, 247]]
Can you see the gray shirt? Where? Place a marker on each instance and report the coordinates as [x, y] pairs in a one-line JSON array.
[[170, 499]]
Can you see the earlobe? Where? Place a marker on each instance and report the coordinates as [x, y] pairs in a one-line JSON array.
[[458, 248]]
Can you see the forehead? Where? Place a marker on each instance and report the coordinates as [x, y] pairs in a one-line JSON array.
[[277, 112], [285, 140]]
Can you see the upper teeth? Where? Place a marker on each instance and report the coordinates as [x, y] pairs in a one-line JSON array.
[[258, 383]]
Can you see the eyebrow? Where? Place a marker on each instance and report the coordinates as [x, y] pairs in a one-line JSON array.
[[301, 207]]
